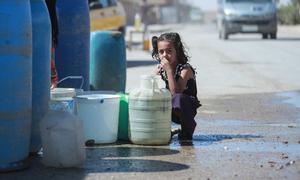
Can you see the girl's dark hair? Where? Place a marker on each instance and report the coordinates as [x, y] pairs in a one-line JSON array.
[[175, 39]]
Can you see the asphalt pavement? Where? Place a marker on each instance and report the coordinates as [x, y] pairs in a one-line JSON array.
[[247, 128]]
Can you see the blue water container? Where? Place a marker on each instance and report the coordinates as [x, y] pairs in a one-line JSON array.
[[72, 53], [16, 87], [41, 41], [107, 61]]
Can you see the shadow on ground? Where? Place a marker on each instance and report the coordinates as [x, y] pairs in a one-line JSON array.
[[103, 159], [105, 152], [133, 165], [115, 159]]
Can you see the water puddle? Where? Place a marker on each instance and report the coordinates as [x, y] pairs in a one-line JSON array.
[[219, 143], [292, 98], [206, 140], [292, 149]]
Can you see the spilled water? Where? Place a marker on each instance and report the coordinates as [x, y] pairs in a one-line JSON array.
[[253, 142], [292, 98], [237, 143], [257, 147], [207, 140]]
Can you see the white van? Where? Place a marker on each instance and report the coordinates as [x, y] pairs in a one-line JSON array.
[[247, 16], [107, 15]]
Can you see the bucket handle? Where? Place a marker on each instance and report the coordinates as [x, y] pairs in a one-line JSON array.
[[73, 77]]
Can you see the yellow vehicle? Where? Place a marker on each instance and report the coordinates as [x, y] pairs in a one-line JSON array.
[[107, 15]]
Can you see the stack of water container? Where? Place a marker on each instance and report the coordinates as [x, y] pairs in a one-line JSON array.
[[26, 122], [62, 120], [25, 44]]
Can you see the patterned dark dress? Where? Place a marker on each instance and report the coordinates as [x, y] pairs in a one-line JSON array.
[[186, 103]]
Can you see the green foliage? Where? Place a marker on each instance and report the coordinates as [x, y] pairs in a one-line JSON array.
[[290, 14]]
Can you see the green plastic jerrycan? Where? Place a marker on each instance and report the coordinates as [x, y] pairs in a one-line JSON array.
[[123, 117]]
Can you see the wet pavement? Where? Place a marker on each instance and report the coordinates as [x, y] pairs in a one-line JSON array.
[[233, 140], [247, 128]]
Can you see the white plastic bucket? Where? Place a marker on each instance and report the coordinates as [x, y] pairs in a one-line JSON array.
[[61, 99], [99, 113]]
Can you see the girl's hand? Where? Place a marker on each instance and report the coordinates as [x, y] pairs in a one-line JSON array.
[[165, 64], [157, 69]]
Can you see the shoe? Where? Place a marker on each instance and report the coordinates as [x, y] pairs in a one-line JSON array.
[[175, 131]]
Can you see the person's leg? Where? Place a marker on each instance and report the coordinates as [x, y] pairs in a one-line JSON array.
[[184, 112], [176, 120], [176, 115], [54, 77]]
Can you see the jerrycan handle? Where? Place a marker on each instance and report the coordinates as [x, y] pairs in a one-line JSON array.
[[153, 84], [148, 82]]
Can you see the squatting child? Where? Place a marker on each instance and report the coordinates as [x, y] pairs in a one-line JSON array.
[[180, 80]]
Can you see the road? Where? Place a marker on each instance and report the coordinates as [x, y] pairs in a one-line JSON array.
[[243, 64], [247, 128]]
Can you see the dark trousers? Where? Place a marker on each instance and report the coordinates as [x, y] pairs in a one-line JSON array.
[[184, 110]]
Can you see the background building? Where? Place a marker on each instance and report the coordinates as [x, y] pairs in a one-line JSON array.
[[160, 11]]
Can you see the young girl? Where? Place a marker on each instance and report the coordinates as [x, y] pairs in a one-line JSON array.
[[180, 79]]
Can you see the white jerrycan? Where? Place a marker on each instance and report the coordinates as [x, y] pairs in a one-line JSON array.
[[62, 140], [150, 113]]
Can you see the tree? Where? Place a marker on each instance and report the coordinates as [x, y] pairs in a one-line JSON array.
[[290, 13]]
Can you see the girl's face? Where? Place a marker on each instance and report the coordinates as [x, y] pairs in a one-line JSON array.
[[167, 51]]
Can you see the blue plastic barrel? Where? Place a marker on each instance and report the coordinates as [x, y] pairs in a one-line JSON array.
[[41, 42], [107, 61], [72, 53], [15, 78]]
